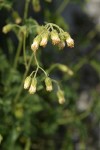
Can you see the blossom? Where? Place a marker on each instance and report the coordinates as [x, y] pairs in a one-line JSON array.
[[61, 45], [32, 88], [60, 95], [44, 39], [54, 37], [27, 82], [35, 44], [48, 84], [70, 42]]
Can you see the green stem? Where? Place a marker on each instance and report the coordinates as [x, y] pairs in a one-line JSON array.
[[36, 60], [36, 72], [52, 67], [24, 53], [32, 73], [25, 74], [51, 25], [43, 71], [38, 66], [26, 9], [17, 53], [28, 144]]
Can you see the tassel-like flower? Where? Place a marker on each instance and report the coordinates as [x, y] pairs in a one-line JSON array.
[[7, 28], [48, 84], [36, 5], [32, 88], [70, 42], [36, 43], [60, 95], [27, 82], [55, 37], [61, 45], [44, 39]]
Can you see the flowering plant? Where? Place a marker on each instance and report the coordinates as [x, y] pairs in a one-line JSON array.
[[40, 68]]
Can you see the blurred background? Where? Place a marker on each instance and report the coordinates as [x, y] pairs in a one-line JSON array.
[[39, 122]]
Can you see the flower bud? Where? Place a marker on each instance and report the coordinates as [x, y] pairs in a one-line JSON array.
[[64, 68], [60, 95], [27, 82], [61, 45], [55, 37], [7, 28], [44, 39], [70, 72], [16, 17], [70, 42], [48, 84], [32, 88], [36, 5], [36, 43]]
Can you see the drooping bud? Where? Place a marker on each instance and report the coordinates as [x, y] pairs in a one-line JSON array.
[[48, 84], [61, 45], [44, 39], [60, 95], [64, 68], [36, 43], [70, 42], [7, 28], [70, 72], [33, 85], [16, 17], [55, 37], [36, 5], [27, 82]]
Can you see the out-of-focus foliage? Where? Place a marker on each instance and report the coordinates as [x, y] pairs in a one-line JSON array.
[[39, 122]]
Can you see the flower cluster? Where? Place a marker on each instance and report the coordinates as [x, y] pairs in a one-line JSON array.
[[57, 36], [31, 84]]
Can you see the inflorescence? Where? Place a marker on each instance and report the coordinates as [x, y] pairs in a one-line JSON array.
[[58, 37]]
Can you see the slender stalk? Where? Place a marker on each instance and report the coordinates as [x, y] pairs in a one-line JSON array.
[[24, 53], [43, 70], [28, 144], [51, 25], [52, 67], [18, 53], [36, 60], [26, 9], [25, 74], [36, 72], [38, 66]]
